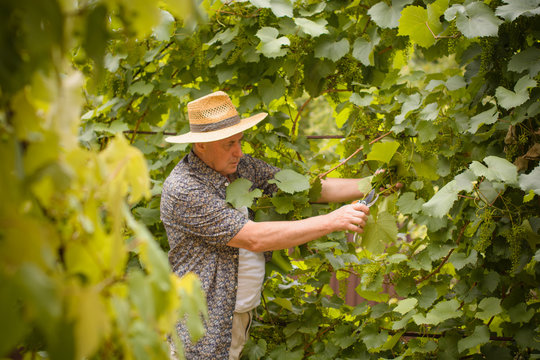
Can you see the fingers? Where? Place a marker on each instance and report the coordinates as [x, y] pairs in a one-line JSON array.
[[357, 218], [358, 206]]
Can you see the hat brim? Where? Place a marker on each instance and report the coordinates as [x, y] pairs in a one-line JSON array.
[[200, 137]]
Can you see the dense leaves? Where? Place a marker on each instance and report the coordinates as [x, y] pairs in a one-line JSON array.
[[444, 94], [80, 277]]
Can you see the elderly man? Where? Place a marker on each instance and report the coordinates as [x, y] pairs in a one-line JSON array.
[[221, 244]]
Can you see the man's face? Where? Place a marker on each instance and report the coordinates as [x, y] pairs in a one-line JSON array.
[[222, 155]]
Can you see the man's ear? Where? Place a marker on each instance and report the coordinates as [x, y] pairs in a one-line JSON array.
[[199, 147]]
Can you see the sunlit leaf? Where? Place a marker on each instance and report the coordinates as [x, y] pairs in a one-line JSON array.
[[313, 28], [443, 310], [388, 16], [478, 337], [475, 19], [531, 181], [509, 99], [379, 231], [331, 49], [406, 305], [290, 181], [239, 194], [516, 8], [528, 59], [270, 45], [383, 151]]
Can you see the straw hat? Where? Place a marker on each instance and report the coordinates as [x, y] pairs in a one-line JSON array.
[[214, 117]]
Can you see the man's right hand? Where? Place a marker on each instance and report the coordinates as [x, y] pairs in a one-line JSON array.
[[352, 217]]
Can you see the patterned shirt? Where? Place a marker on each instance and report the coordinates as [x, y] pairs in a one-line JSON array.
[[199, 224]]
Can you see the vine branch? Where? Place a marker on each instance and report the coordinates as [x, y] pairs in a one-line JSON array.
[[352, 155], [445, 259]]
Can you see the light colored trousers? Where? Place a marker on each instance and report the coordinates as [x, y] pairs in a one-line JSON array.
[[240, 333]]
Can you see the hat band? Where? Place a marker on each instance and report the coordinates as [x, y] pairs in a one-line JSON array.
[[199, 128]]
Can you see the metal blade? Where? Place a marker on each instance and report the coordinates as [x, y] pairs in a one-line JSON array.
[[368, 197]]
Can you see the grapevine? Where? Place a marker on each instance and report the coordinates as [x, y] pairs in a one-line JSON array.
[[485, 232]]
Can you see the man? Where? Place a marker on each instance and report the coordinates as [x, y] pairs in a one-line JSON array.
[[220, 244]]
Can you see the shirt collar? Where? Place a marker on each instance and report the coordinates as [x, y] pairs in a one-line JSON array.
[[204, 170]]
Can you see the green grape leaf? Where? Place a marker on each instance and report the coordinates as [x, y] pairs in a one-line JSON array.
[[281, 8], [509, 99], [147, 216], [460, 260], [374, 339], [475, 19], [283, 204], [224, 37], [312, 9], [413, 22], [238, 194], [410, 103], [387, 17], [408, 205], [428, 295], [265, 4], [520, 314], [427, 131], [529, 60], [443, 310], [96, 34], [359, 100], [465, 180], [141, 87], [455, 83], [313, 28], [290, 181], [487, 117], [502, 170], [490, 306], [362, 50], [517, 8], [270, 91], [498, 169], [270, 45], [256, 350], [422, 25], [383, 151], [406, 305], [531, 181], [478, 337], [442, 201], [164, 30], [330, 49], [379, 231], [430, 112]]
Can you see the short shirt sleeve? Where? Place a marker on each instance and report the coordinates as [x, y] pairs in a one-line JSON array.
[[206, 216]]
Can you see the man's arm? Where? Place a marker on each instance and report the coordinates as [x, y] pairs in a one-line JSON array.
[[276, 235], [339, 190]]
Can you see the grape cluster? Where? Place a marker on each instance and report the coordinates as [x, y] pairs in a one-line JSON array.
[[485, 232], [265, 17], [296, 83], [514, 239], [237, 51], [369, 274], [428, 149], [454, 37], [349, 70], [487, 58]]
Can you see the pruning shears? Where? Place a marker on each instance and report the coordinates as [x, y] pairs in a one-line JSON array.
[[368, 200]]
